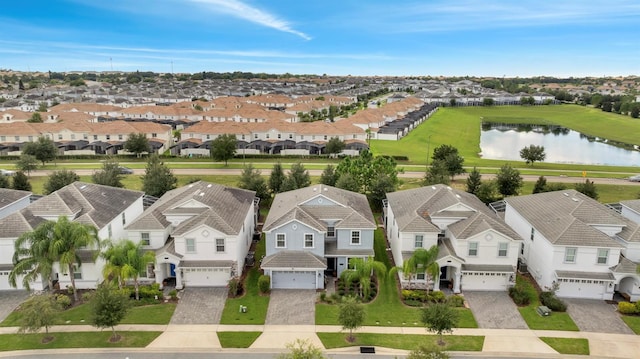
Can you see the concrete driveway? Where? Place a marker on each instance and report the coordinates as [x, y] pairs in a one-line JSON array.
[[494, 310], [591, 315], [292, 307], [200, 306], [9, 300]]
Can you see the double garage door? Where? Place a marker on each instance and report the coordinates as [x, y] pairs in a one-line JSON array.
[[205, 277], [293, 280], [588, 289], [485, 281]]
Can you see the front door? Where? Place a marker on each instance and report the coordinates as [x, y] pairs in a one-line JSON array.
[[172, 270]]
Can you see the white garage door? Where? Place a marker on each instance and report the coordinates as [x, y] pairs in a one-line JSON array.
[[293, 280], [577, 289], [484, 281], [4, 280], [205, 277]]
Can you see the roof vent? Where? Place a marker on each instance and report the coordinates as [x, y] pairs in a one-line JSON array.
[[565, 194], [449, 188], [433, 187], [575, 199], [326, 189], [457, 195], [209, 185], [191, 185], [83, 186], [314, 189], [201, 194]]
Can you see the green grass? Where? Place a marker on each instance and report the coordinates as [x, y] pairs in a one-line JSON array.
[[555, 321], [403, 341], [237, 339], [81, 314], [256, 304], [76, 340], [575, 346], [633, 321], [387, 309]]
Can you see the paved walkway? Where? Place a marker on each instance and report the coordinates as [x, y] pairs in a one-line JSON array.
[[494, 310], [598, 316], [200, 306], [9, 300], [291, 307]]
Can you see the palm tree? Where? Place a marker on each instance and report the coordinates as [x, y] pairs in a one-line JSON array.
[[362, 270], [68, 237], [422, 260], [32, 258], [126, 260]]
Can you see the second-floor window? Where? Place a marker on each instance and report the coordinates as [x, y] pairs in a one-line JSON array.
[[109, 231], [120, 137], [570, 255], [59, 136], [355, 237], [108, 137], [603, 255], [145, 238], [281, 240], [503, 248], [331, 231], [154, 135], [308, 240], [190, 245], [95, 137], [417, 243], [124, 219], [533, 233], [473, 249], [220, 245]]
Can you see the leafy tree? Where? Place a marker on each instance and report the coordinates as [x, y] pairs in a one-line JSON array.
[[335, 145], [27, 163], [126, 260], [137, 143], [487, 192], [588, 188], [109, 306], [361, 270], [487, 101], [59, 179], [540, 186], [39, 311], [302, 349], [4, 182], [380, 186], [329, 176], [298, 177], [223, 148], [439, 318], [555, 186], [158, 178], [436, 174], [43, 149], [347, 182], [533, 153], [36, 117], [423, 352], [252, 180], [474, 181], [277, 178], [21, 182], [508, 180], [451, 158], [42, 107], [364, 169], [350, 315], [32, 257], [109, 175]]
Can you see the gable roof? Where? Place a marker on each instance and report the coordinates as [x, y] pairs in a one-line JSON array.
[[633, 205], [9, 196], [351, 209], [478, 223], [221, 208], [567, 217]]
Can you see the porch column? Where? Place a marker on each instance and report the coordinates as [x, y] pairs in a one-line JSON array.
[[456, 282], [436, 283], [158, 272], [178, 278]]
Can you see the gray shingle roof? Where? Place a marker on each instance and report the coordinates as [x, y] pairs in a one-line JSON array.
[[9, 196], [169, 247], [331, 249], [294, 259], [625, 266], [488, 268], [206, 264], [585, 275], [565, 218], [445, 248], [478, 223], [633, 204], [220, 207], [352, 209]]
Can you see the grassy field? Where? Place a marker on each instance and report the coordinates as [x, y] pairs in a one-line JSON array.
[[568, 346], [76, 340], [403, 341], [237, 339]]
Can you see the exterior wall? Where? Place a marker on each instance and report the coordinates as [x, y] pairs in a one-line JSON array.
[[14, 207], [632, 215], [117, 227], [91, 275], [156, 238], [344, 239], [7, 249], [632, 252], [205, 243], [488, 244], [294, 236]]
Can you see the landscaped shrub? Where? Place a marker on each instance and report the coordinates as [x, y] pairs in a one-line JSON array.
[[63, 300], [264, 283], [436, 297], [519, 295], [146, 292], [234, 285], [628, 308], [173, 294], [87, 296], [455, 301], [552, 302]]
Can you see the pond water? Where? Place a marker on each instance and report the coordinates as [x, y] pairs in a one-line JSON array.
[[562, 145]]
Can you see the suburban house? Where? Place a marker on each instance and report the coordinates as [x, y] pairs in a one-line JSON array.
[[476, 249], [313, 229], [201, 234], [109, 209], [12, 200], [586, 248]]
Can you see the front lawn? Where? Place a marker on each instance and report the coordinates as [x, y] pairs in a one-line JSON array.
[[81, 314], [568, 345], [465, 343], [555, 321], [256, 304], [76, 340], [237, 339], [633, 321]]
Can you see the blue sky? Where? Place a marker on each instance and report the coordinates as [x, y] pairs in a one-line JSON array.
[[346, 37]]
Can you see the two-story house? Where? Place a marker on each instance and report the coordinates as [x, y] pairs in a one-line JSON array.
[[313, 229], [571, 240], [201, 234], [476, 249], [109, 209]]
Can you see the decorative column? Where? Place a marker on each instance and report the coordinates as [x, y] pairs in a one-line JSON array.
[[456, 282], [178, 277]]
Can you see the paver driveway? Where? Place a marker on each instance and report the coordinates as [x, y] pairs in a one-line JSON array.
[[592, 315], [292, 307], [9, 300], [200, 306], [495, 310]]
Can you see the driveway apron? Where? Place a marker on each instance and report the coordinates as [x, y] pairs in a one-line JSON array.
[[9, 300], [494, 310], [200, 306], [292, 307], [591, 315]]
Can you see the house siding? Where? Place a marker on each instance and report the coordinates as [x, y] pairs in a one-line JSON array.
[[295, 239]]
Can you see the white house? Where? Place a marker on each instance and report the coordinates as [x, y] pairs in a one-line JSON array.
[[571, 240], [109, 209], [313, 229], [476, 250], [201, 234]]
